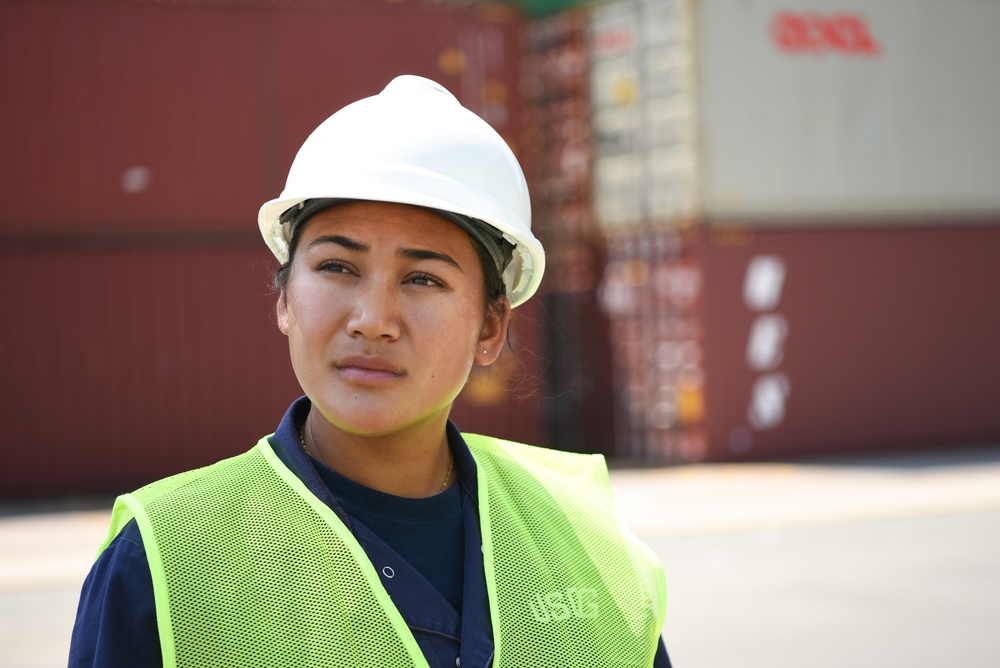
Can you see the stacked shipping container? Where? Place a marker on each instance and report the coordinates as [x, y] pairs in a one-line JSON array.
[[771, 228], [141, 140], [642, 83], [802, 201], [557, 158]]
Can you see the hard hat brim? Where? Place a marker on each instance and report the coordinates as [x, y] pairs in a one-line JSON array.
[[522, 276]]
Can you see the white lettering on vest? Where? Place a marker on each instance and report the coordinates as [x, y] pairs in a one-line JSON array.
[[560, 605]]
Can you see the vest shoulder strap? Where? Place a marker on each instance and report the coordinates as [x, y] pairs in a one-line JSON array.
[[250, 569], [570, 586]]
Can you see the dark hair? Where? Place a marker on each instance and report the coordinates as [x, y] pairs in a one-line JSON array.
[[493, 285]]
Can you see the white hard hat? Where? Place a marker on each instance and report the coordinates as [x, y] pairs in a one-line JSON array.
[[414, 143]]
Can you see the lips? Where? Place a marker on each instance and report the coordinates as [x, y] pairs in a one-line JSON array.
[[365, 369]]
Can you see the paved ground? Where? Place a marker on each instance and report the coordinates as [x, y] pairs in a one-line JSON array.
[[885, 562], [881, 563]]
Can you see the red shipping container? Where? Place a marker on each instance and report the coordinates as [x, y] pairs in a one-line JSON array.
[[130, 363], [738, 343], [557, 156], [823, 341], [140, 143], [136, 116]]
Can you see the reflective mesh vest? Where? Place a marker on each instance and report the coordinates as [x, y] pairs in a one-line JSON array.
[[251, 569]]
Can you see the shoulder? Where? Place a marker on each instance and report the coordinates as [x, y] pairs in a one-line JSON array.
[[201, 485], [199, 493], [533, 455], [519, 468], [124, 553], [116, 618], [540, 462]]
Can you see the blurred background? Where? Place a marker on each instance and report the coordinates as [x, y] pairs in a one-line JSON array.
[[773, 228], [773, 236]]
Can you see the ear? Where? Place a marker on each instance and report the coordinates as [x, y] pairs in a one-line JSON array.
[[281, 310], [492, 338]]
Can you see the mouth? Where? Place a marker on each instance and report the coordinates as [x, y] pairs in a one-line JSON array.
[[368, 370]]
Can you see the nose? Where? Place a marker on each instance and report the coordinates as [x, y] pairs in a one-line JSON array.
[[376, 313]]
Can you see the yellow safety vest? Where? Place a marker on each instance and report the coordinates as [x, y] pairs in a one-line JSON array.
[[251, 569]]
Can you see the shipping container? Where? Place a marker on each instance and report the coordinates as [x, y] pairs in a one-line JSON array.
[[808, 112], [653, 294], [644, 105], [166, 117], [140, 138], [732, 342], [556, 146], [802, 207], [849, 339], [128, 363]]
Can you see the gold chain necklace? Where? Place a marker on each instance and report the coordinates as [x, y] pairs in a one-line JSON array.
[[447, 476]]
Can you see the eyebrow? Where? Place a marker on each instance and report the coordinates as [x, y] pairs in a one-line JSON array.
[[411, 253], [340, 240], [422, 254]]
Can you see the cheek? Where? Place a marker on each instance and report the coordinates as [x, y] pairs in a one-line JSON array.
[[308, 309], [456, 341]]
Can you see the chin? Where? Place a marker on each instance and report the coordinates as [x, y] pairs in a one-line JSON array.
[[374, 422]]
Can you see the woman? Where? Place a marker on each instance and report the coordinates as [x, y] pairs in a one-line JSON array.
[[367, 530]]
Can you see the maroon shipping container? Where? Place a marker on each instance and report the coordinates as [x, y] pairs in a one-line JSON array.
[[556, 145], [652, 291], [849, 339], [140, 143], [129, 363], [739, 343], [127, 116]]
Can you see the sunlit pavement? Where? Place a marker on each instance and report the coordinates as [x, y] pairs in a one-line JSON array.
[[884, 562], [887, 562], [709, 499]]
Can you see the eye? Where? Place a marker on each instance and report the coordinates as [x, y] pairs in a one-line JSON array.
[[421, 278], [333, 267]]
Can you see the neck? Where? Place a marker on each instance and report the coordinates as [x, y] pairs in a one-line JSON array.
[[413, 463]]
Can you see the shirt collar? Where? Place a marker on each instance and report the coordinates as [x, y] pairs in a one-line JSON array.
[[288, 447]]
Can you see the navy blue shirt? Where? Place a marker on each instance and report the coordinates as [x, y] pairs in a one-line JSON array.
[[439, 593]]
